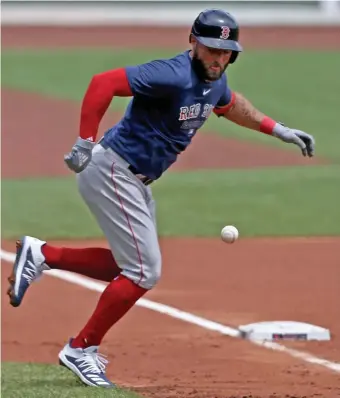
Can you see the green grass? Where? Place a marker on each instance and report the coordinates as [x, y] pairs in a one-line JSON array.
[[59, 213], [19, 380], [62, 73], [299, 88], [269, 202], [287, 91]]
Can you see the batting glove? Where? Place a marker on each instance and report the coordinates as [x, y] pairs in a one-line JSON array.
[[80, 156], [303, 140]]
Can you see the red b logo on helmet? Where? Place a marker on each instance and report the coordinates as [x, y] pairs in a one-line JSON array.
[[225, 32]]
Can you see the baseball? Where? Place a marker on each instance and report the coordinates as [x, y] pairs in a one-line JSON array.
[[229, 234]]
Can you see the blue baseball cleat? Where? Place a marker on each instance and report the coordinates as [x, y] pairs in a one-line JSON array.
[[87, 364], [28, 267]]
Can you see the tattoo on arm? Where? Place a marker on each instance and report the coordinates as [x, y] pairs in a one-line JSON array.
[[244, 113]]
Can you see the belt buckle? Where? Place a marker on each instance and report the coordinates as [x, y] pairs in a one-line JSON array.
[[145, 180]]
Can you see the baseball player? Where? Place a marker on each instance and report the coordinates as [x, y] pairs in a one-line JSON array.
[[171, 100]]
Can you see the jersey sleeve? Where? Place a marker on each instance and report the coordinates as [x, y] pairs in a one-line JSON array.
[[153, 79], [226, 100]]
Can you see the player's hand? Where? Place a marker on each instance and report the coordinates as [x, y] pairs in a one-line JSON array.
[[303, 140], [80, 155]]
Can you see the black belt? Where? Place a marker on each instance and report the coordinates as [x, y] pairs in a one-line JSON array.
[[144, 179]]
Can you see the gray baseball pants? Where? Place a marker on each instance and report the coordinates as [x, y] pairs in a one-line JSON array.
[[125, 211]]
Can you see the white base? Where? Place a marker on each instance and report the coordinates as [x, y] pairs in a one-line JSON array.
[[283, 330]]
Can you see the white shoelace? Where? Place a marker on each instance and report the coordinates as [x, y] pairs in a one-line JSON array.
[[93, 362]]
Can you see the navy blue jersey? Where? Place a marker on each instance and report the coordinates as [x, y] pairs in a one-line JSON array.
[[169, 105]]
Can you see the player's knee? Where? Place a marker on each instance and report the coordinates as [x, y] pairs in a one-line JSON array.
[[154, 277], [147, 273], [152, 270]]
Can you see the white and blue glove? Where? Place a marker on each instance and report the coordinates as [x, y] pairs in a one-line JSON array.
[[80, 155], [303, 140]]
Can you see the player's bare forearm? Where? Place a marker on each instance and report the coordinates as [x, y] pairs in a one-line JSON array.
[[244, 113]]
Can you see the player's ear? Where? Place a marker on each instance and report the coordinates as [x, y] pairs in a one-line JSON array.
[[193, 41]]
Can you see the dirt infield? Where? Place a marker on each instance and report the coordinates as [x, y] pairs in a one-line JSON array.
[[162, 357], [253, 280], [315, 38]]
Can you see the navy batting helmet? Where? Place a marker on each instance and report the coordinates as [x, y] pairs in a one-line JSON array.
[[217, 29]]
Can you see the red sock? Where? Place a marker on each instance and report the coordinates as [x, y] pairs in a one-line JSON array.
[[118, 297], [94, 262]]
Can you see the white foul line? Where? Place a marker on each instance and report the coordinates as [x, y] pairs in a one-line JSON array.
[[184, 316]]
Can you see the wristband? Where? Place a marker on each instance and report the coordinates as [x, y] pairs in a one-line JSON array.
[[267, 125]]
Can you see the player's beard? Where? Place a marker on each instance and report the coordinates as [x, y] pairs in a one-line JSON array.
[[203, 72]]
